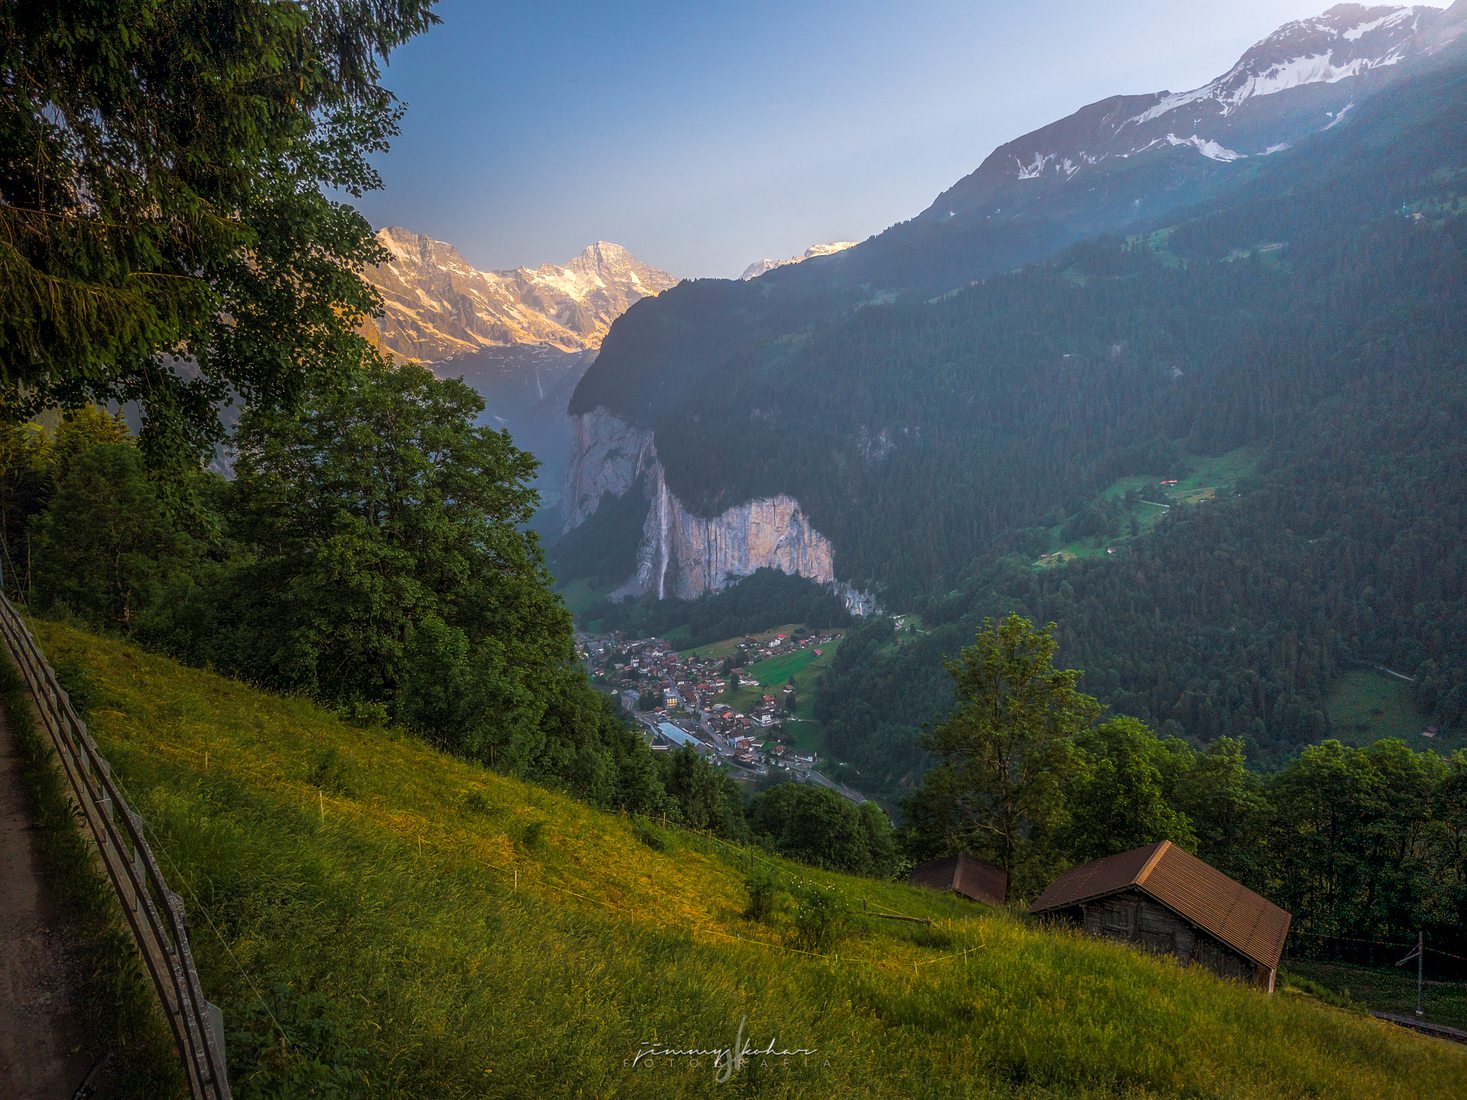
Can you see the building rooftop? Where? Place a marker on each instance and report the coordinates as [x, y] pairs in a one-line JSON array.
[[676, 735], [1250, 924], [965, 875]]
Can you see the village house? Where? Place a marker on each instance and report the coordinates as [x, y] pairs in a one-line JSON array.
[[962, 874], [1164, 899]]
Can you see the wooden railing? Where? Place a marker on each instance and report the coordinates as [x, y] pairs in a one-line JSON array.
[[154, 912]]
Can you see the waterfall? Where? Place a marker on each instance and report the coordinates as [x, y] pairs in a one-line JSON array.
[[664, 516]]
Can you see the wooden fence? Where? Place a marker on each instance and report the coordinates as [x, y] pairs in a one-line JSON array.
[[154, 912]]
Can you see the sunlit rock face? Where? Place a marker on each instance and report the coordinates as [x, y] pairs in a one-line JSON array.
[[682, 554], [438, 306]]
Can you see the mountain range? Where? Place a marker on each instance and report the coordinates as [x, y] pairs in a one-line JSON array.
[[522, 337], [438, 306], [987, 407], [1123, 163]]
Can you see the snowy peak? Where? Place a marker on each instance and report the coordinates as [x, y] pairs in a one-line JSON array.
[[759, 267], [1346, 41], [1298, 81], [437, 305]]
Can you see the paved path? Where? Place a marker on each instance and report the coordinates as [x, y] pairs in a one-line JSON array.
[[1441, 1031], [45, 1050]]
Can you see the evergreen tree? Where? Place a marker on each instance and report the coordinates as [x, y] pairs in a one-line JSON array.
[[163, 193], [105, 546]]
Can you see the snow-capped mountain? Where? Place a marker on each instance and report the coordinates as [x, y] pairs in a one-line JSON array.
[[1302, 79], [759, 267], [439, 306]]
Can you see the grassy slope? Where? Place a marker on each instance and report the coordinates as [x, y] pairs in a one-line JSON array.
[[1365, 706], [717, 651], [1208, 476], [372, 870]]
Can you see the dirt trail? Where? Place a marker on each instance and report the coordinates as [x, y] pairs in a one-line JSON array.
[[45, 1050]]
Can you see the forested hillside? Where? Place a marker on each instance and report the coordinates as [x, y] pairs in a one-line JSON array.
[[1235, 615], [914, 433], [1315, 318]]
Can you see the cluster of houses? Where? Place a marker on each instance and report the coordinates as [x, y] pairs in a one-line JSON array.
[[678, 699]]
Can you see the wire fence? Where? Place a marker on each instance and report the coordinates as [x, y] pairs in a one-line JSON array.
[[1320, 947], [153, 911]]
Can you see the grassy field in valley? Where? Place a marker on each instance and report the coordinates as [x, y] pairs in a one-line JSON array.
[[1207, 476], [378, 919], [773, 674], [717, 651], [1366, 705]]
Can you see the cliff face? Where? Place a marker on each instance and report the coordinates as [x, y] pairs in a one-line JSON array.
[[608, 455], [682, 554]]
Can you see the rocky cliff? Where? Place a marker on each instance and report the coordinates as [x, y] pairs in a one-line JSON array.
[[682, 554]]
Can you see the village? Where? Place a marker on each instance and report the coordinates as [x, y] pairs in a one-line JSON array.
[[719, 706]]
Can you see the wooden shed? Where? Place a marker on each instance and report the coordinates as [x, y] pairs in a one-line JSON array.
[[1165, 899], [963, 875]]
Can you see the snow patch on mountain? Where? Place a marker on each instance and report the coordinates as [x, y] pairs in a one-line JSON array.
[[760, 267], [1312, 69], [1209, 149]]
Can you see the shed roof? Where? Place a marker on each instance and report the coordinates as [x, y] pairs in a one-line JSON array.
[[970, 877], [1228, 910]]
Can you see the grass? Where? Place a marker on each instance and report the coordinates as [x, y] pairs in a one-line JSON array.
[[115, 992], [717, 651], [1207, 477], [1365, 706], [404, 934], [1387, 989]]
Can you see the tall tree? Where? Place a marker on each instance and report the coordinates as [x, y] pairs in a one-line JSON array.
[[1005, 751], [164, 169], [105, 546], [1117, 797], [391, 563]]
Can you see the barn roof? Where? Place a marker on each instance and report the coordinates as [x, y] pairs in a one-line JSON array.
[[1228, 910], [967, 876]]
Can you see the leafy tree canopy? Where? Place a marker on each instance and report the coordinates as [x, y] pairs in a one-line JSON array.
[[1006, 750], [165, 235]]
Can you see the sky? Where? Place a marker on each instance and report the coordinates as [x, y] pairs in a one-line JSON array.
[[705, 135]]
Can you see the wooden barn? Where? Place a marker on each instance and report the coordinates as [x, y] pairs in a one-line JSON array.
[[1164, 899], [963, 875]]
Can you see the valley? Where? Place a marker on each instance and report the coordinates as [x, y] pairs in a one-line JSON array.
[[1016, 648], [742, 703]]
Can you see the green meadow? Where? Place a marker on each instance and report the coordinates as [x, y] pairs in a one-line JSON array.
[[1207, 476], [1365, 705], [378, 919]]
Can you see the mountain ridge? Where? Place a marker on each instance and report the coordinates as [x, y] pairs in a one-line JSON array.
[[1328, 62], [761, 267], [437, 305]]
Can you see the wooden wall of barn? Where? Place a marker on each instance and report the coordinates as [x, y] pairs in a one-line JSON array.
[[1132, 917]]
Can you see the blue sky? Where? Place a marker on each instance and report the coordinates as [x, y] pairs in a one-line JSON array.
[[705, 135]]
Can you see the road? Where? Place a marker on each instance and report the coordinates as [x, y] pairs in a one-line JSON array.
[[45, 1048]]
